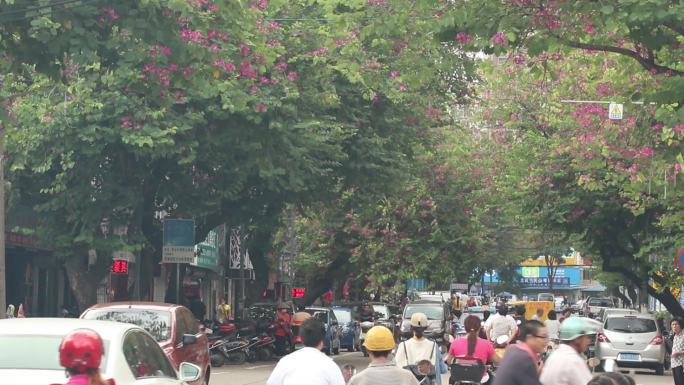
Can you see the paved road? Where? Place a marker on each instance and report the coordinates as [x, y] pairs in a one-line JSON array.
[[258, 372]]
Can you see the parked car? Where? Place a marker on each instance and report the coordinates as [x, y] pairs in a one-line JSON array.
[[331, 344], [349, 326], [174, 328], [632, 341], [594, 304], [30, 353], [578, 306], [604, 313], [439, 320]]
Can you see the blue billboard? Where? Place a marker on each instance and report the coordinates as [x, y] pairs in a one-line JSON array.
[[537, 276]]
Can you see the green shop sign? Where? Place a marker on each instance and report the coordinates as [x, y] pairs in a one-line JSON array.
[[208, 251]]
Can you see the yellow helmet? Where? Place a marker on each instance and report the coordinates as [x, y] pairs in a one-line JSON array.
[[379, 339]]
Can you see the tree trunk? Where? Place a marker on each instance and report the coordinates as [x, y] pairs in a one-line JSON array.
[[670, 302], [323, 282], [84, 281], [617, 293]]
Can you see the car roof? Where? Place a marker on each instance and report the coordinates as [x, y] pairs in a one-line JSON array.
[[425, 303], [318, 308], [635, 315], [108, 330], [136, 305]]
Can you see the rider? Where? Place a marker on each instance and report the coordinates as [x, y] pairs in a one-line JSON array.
[[501, 324], [367, 313], [283, 329], [80, 353], [379, 344], [418, 349], [472, 346], [566, 365], [520, 364]]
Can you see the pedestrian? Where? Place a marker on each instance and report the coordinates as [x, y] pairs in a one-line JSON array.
[[520, 364], [473, 347], [553, 325], [419, 348], [20, 311], [539, 314], [307, 366], [381, 371], [500, 324], [566, 365], [80, 353], [10, 311], [677, 356], [223, 311]]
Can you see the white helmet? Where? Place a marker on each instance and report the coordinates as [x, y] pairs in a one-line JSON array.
[[419, 320]]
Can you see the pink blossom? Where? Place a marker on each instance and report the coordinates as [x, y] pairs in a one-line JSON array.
[[111, 13], [166, 51], [229, 66], [214, 48], [657, 127], [402, 87], [678, 128], [46, 118], [677, 168], [499, 38], [589, 28], [260, 4], [281, 65], [377, 2], [138, 126], [394, 75], [212, 8], [292, 76], [273, 25], [463, 38], [264, 80], [247, 71], [126, 123], [645, 152], [173, 67], [244, 50], [254, 90], [261, 107], [187, 71], [189, 35], [179, 96]]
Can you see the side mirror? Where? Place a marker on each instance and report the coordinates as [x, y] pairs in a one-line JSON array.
[[189, 339], [189, 372]]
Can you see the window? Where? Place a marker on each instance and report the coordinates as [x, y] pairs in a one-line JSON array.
[[35, 352], [601, 302], [145, 358], [432, 312], [343, 315], [382, 309], [157, 323], [631, 325]]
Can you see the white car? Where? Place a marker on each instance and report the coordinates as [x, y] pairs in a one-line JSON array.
[[30, 353]]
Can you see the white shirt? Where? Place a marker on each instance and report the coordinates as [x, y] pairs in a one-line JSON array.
[[677, 346], [307, 366], [565, 367], [553, 327], [500, 325], [417, 350]]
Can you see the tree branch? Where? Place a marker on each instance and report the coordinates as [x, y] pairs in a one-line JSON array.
[[675, 27], [647, 63]]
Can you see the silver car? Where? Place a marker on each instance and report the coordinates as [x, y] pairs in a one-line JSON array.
[[632, 341], [607, 312]]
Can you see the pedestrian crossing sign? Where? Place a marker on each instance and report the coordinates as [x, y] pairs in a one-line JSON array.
[[615, 111]]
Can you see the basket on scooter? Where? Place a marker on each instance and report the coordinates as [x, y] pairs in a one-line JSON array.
[[227, 329], [466, 371]]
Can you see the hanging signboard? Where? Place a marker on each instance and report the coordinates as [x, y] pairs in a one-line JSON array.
[[179, 241]]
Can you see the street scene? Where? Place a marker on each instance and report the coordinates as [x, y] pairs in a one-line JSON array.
[[341, 192]]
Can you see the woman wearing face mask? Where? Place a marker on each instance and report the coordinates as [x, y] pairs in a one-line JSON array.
[[677, 357], [419, 349]]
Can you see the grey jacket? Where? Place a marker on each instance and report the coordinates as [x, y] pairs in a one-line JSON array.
[[517, 368]]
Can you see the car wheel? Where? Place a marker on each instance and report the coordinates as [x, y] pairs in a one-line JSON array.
[[659, 370]]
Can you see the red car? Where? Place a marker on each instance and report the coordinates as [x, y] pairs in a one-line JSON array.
[[173, 327]]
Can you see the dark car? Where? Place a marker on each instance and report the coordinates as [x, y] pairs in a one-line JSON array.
[[388, 316], [331, 343], [349, 327], [173, 327], [439, 320]]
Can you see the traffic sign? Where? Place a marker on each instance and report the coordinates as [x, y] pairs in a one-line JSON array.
[[679, 260], [615, 111], [179, 241]]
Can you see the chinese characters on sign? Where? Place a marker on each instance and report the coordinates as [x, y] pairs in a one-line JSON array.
[[544, 281], [298, 292], [179, 241], [120, 266]]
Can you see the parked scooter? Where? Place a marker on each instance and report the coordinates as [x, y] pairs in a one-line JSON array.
[[228, 351]]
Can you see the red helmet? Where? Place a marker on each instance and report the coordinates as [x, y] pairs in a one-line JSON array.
[[81, 349]]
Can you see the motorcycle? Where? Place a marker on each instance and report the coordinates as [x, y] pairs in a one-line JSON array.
[[365, 327], [227, 350]]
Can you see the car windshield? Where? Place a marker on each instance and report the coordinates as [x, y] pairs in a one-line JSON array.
[[605, 302], [342, 314], [630, 325], [432, 312], [382, 309], [156, 322], [35, 352]]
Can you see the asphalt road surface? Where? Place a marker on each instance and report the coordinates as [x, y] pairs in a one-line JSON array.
[[258, 372]]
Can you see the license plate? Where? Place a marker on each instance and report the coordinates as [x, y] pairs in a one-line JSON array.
[[629, 357]]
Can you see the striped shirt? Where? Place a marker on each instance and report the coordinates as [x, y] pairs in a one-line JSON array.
[[677, 346], [384, 374]]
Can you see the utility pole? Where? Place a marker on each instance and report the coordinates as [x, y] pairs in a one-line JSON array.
[[3, 304], [242, 278]]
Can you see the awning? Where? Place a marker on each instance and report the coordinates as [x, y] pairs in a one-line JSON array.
[[596, 288]]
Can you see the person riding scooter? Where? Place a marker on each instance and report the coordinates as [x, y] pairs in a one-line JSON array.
[[567, 365]]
